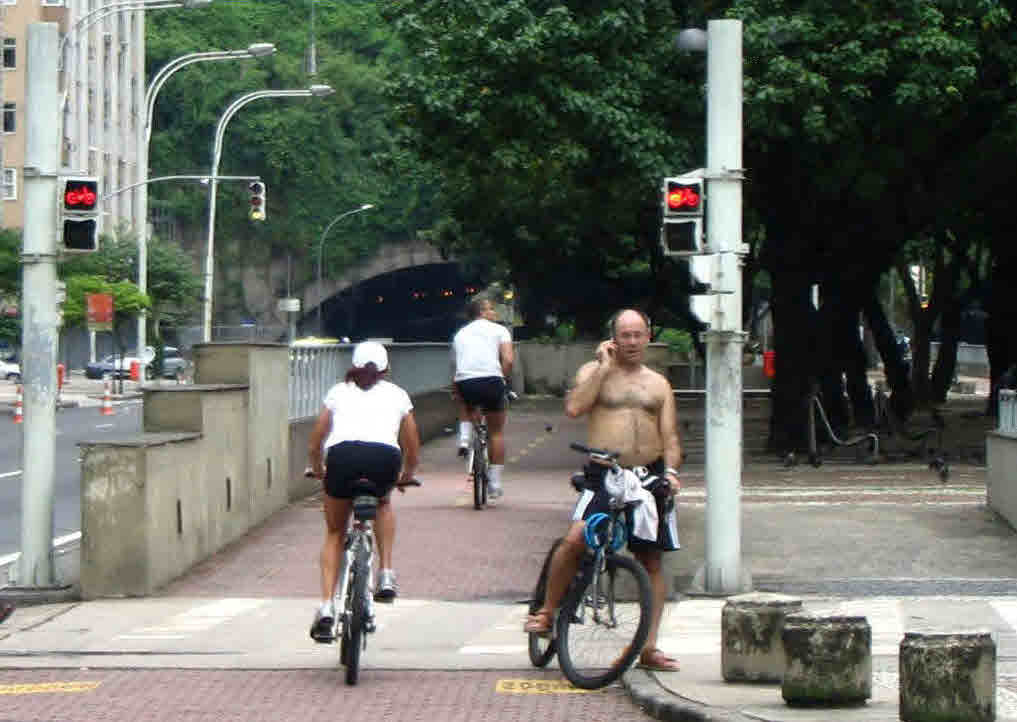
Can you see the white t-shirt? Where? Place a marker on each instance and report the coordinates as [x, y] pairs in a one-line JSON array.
[[371, 415], [475, 349]]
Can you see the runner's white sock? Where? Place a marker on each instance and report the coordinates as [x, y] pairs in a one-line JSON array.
[[494, 475], [465, 433]]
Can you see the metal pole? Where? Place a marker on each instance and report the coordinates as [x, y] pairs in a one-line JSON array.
[[723, 573], [39, 333], [321, 247]]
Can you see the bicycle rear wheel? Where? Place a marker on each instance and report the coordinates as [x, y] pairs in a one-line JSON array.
[[479, 476], [601, 630], [542, 648], [356, 623]]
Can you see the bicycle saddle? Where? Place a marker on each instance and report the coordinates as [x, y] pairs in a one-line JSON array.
[[365, 500]]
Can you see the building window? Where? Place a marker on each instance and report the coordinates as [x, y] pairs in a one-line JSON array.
[[10, 53], [10, 184], [10, 117]]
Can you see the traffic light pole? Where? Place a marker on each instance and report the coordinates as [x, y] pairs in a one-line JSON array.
[[39, 306], [722, 573]]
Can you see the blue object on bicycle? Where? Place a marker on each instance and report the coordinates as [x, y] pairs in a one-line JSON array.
[[594, 535]]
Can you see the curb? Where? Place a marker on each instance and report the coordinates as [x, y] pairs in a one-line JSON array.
[[657, 702], [31, 596]]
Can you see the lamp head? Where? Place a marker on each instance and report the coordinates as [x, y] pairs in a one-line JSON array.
[[189, 4], [260, 50], [691, 39], [320, 91]]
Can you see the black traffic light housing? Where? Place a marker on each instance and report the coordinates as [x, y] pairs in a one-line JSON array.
[[259, 210], [681, 232], [79, 214]]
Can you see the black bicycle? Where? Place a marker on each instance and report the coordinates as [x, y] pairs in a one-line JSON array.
[[478, 463], [604, 618], [355, 586]]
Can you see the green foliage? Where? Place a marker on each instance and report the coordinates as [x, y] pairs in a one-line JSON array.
[[10, 262], [128, 302], [319, 157], [677, 340], [549, 126]]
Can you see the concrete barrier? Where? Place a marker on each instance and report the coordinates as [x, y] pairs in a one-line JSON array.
[[829, 660], [947, 677], [211, 464], [1001, 476], [750, 636]]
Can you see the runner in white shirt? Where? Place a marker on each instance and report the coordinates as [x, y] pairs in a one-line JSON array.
[[482, 358]]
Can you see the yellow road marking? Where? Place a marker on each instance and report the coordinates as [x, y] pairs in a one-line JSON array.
[[539, 686], [47, 687], [524, 452]]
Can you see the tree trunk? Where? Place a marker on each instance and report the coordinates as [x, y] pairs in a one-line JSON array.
[[794, 342], [901, 395], [946, 360]]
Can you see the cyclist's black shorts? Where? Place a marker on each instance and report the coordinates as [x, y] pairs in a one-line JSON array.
[[486, 393], [594, 502], [349, 461]]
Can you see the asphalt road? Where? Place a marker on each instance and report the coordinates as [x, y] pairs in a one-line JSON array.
[[73, 425]]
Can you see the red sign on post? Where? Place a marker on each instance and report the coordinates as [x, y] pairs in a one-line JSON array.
[[99, 311]]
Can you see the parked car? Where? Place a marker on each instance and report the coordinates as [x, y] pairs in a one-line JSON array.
[[117, 366], [10, 370]]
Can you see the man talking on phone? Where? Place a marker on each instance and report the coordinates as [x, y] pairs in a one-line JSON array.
[[632, 411]]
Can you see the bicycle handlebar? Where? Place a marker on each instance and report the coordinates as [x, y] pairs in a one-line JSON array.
[[400, 485], [582, 448]]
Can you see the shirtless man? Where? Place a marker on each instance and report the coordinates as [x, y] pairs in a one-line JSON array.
[[632, 411]]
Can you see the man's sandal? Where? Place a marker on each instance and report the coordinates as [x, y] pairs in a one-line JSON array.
[[538, 623], [653, 660]]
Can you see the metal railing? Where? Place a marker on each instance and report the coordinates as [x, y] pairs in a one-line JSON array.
[[1007, 411], [416, 367]]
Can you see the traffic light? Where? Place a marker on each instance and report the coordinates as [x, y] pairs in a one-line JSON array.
[[259, 210], [79, 214], [681, 232]]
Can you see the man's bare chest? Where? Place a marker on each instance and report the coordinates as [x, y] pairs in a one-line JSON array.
[[628, 394]]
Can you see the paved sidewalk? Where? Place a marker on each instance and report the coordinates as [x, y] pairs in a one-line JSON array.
[[890, 541]]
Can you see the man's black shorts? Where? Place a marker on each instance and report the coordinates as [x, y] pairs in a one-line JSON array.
[[349, 461], [593, 502], [487, 393]]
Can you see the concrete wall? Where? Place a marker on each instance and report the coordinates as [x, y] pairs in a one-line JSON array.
[[546, 368], [1001, 479], [212, 462]]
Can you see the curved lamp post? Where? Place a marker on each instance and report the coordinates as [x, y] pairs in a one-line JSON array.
[[321, 247], [143, 138], [315, 91]]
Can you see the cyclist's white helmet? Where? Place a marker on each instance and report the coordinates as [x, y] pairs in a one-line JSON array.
[[370, 352]]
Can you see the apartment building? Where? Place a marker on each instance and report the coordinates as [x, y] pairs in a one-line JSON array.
[[102, 76]]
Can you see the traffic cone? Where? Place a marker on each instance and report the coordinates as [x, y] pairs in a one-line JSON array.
[[19, 411], [107, 401]]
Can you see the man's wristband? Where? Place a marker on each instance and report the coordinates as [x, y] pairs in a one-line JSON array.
[[671, 470]]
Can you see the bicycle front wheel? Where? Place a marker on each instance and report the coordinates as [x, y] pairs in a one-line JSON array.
[[542, 647], [356, 623], [603, 626], [479, 478]]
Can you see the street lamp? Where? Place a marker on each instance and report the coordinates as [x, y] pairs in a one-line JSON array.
[[144, 136], [314, 91], [321, 246]]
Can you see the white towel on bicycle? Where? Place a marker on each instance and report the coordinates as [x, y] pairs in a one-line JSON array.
[[625, 486]]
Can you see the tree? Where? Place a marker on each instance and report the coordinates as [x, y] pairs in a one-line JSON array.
[[549, 127], [10, 285], [128, 301]]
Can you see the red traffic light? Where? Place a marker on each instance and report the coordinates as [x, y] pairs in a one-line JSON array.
[[80, 195], [682, 197]]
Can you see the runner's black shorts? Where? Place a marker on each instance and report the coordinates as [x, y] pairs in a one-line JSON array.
[[593, 502], [349, 461], [486, 393]]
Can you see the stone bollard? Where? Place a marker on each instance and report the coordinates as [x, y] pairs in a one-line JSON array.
[[948, 677], [750, 636], [829, 660]]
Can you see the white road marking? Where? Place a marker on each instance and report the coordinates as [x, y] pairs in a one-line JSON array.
[[494, 649], [104, 426]]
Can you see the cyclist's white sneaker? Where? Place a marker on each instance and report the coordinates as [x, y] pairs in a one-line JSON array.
[[387, 587], [494, 490], [324, 621]]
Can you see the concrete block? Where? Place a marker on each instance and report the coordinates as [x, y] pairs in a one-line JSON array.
[[829, 660], [948, 677], [750, 634]]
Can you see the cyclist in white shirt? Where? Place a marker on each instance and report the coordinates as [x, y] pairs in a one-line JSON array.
[[366, 429], [482, 358]]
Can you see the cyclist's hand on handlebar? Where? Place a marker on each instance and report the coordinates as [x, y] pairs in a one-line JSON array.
[[406, 479]]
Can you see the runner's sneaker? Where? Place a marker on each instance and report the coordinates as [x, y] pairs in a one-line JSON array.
[[464, 449], [324, 620], [387, 587], [494, 491]]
